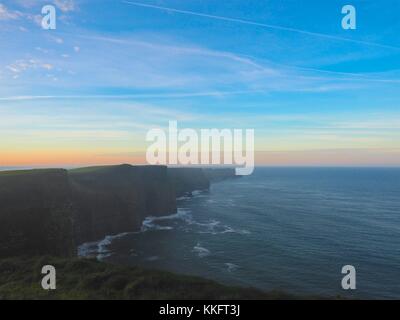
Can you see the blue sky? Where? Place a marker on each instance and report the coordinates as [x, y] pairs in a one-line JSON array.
[[315, 94]]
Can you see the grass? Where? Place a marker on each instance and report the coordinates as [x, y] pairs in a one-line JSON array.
[[97, 168], [27, 172], [81, 279], [88, 169]]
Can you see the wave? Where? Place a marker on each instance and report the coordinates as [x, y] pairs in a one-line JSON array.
[[201, 251], [88, 249], [215, 227], [99, 249], [239, 231], [183, 198], [231, 267], [193, 194], [150, 222], [197, 193]]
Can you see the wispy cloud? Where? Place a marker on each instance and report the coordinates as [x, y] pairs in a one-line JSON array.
[[186, 70], [6, 14], [171, 95], [30, 10], [65, 5], [23, 65]]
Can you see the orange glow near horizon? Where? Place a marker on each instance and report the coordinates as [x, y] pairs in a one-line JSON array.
[[64, 158], [342, 157]]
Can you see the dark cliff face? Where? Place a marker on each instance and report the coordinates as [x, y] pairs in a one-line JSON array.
[[51, 211], [36, 213], [116, 199], [187, 180], [220, 174]]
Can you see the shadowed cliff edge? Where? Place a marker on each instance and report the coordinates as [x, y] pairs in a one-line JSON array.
[[52, 211]]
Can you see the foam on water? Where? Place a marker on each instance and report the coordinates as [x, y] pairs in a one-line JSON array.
[[99, 249], [231, 267], [201, 251]]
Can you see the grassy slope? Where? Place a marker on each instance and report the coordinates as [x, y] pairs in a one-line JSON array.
[[90, 169], [27, 172], [20, 278]]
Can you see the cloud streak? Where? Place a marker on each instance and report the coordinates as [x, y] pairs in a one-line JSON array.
[[6, 14], [263, 25], [65, 5]]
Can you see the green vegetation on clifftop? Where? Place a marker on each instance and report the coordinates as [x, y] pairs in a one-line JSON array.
[[20, 278]]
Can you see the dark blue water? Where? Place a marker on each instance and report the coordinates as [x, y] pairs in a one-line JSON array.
[[289, 229]]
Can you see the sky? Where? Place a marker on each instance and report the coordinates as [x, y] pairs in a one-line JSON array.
[[87, 92]]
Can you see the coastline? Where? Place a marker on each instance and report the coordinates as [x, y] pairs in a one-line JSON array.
[[232, 232], [60, 209], [98, 249], [59, 188]]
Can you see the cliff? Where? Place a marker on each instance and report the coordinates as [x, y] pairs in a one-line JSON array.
[[117, 199], [52, 211], [220, 174], [187, 180], [36, 213]]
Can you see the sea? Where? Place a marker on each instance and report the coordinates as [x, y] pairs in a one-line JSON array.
[[285, 229]]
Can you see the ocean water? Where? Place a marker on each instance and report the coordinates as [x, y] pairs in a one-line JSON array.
[[290, 229]]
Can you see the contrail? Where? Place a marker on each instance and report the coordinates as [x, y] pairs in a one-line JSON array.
[[263, 25], [134, 96]]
